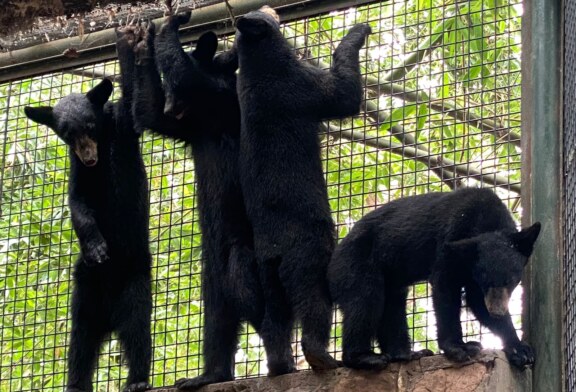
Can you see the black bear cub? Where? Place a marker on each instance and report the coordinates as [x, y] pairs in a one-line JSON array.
[[108, 200], [197, 103], [463, 239], [282, 102]]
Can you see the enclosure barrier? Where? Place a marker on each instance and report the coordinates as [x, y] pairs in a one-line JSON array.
[[568, 223], [441, 111]]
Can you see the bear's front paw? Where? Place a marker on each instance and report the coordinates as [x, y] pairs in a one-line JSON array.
[[357, 35], [362, 29], [126, 37], [95, 253], [144, 49], [520, 355], [137, 387], [462, 352]]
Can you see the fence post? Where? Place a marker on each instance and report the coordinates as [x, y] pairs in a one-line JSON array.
[[542, 38]]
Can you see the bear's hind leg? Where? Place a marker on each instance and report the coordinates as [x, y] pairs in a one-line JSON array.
[[85, 344], [362, 309], [243, 285], [276, 330], [315, 315], [304, 277], [358, 331], [221, 326], [88, 331], [131, 319]]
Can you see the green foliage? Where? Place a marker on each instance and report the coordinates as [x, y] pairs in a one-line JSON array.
[[470, 65]]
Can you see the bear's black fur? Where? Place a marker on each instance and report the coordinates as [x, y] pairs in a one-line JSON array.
[[463, 239], [108, 200], [202, 109], [282, 101]]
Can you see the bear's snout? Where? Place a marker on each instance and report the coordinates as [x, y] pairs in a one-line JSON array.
[[496, 300], [87, 150], [174, 108]]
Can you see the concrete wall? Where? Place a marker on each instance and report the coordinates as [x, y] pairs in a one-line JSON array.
[[490, 372]]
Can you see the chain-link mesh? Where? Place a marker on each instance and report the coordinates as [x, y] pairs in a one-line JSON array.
[[442, 110], [569, 225]]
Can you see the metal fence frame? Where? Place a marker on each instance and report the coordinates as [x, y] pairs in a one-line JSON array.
[[541, 140], [568, 222], [542, 65]]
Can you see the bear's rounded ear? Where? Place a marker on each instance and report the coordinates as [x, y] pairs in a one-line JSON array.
[[100, 93], [227, 62], [42, 115], [466, 248], [524, 239], [184, 17], [206, 47]]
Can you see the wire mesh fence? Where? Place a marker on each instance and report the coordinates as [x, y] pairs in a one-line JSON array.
[[441, 110]]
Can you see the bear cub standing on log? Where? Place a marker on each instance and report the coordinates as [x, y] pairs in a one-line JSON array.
[[463, 239], [108, 200], [282, 102]]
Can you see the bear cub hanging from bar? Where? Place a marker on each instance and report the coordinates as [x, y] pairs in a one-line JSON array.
[[108, 201], [463, 239]]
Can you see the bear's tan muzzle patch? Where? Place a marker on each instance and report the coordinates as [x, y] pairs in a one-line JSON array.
[[87, 151], [496, 300]]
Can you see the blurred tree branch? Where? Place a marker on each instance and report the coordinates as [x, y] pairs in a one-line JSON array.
[[444, 168], [423, 50], [449, 168]]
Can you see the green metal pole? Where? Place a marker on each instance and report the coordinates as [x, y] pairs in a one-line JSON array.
[[542, 185]]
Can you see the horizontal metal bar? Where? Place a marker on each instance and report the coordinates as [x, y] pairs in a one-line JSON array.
[[100, 46]]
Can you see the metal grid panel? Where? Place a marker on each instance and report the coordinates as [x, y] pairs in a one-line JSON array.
[[569, 273], [442, 109]]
